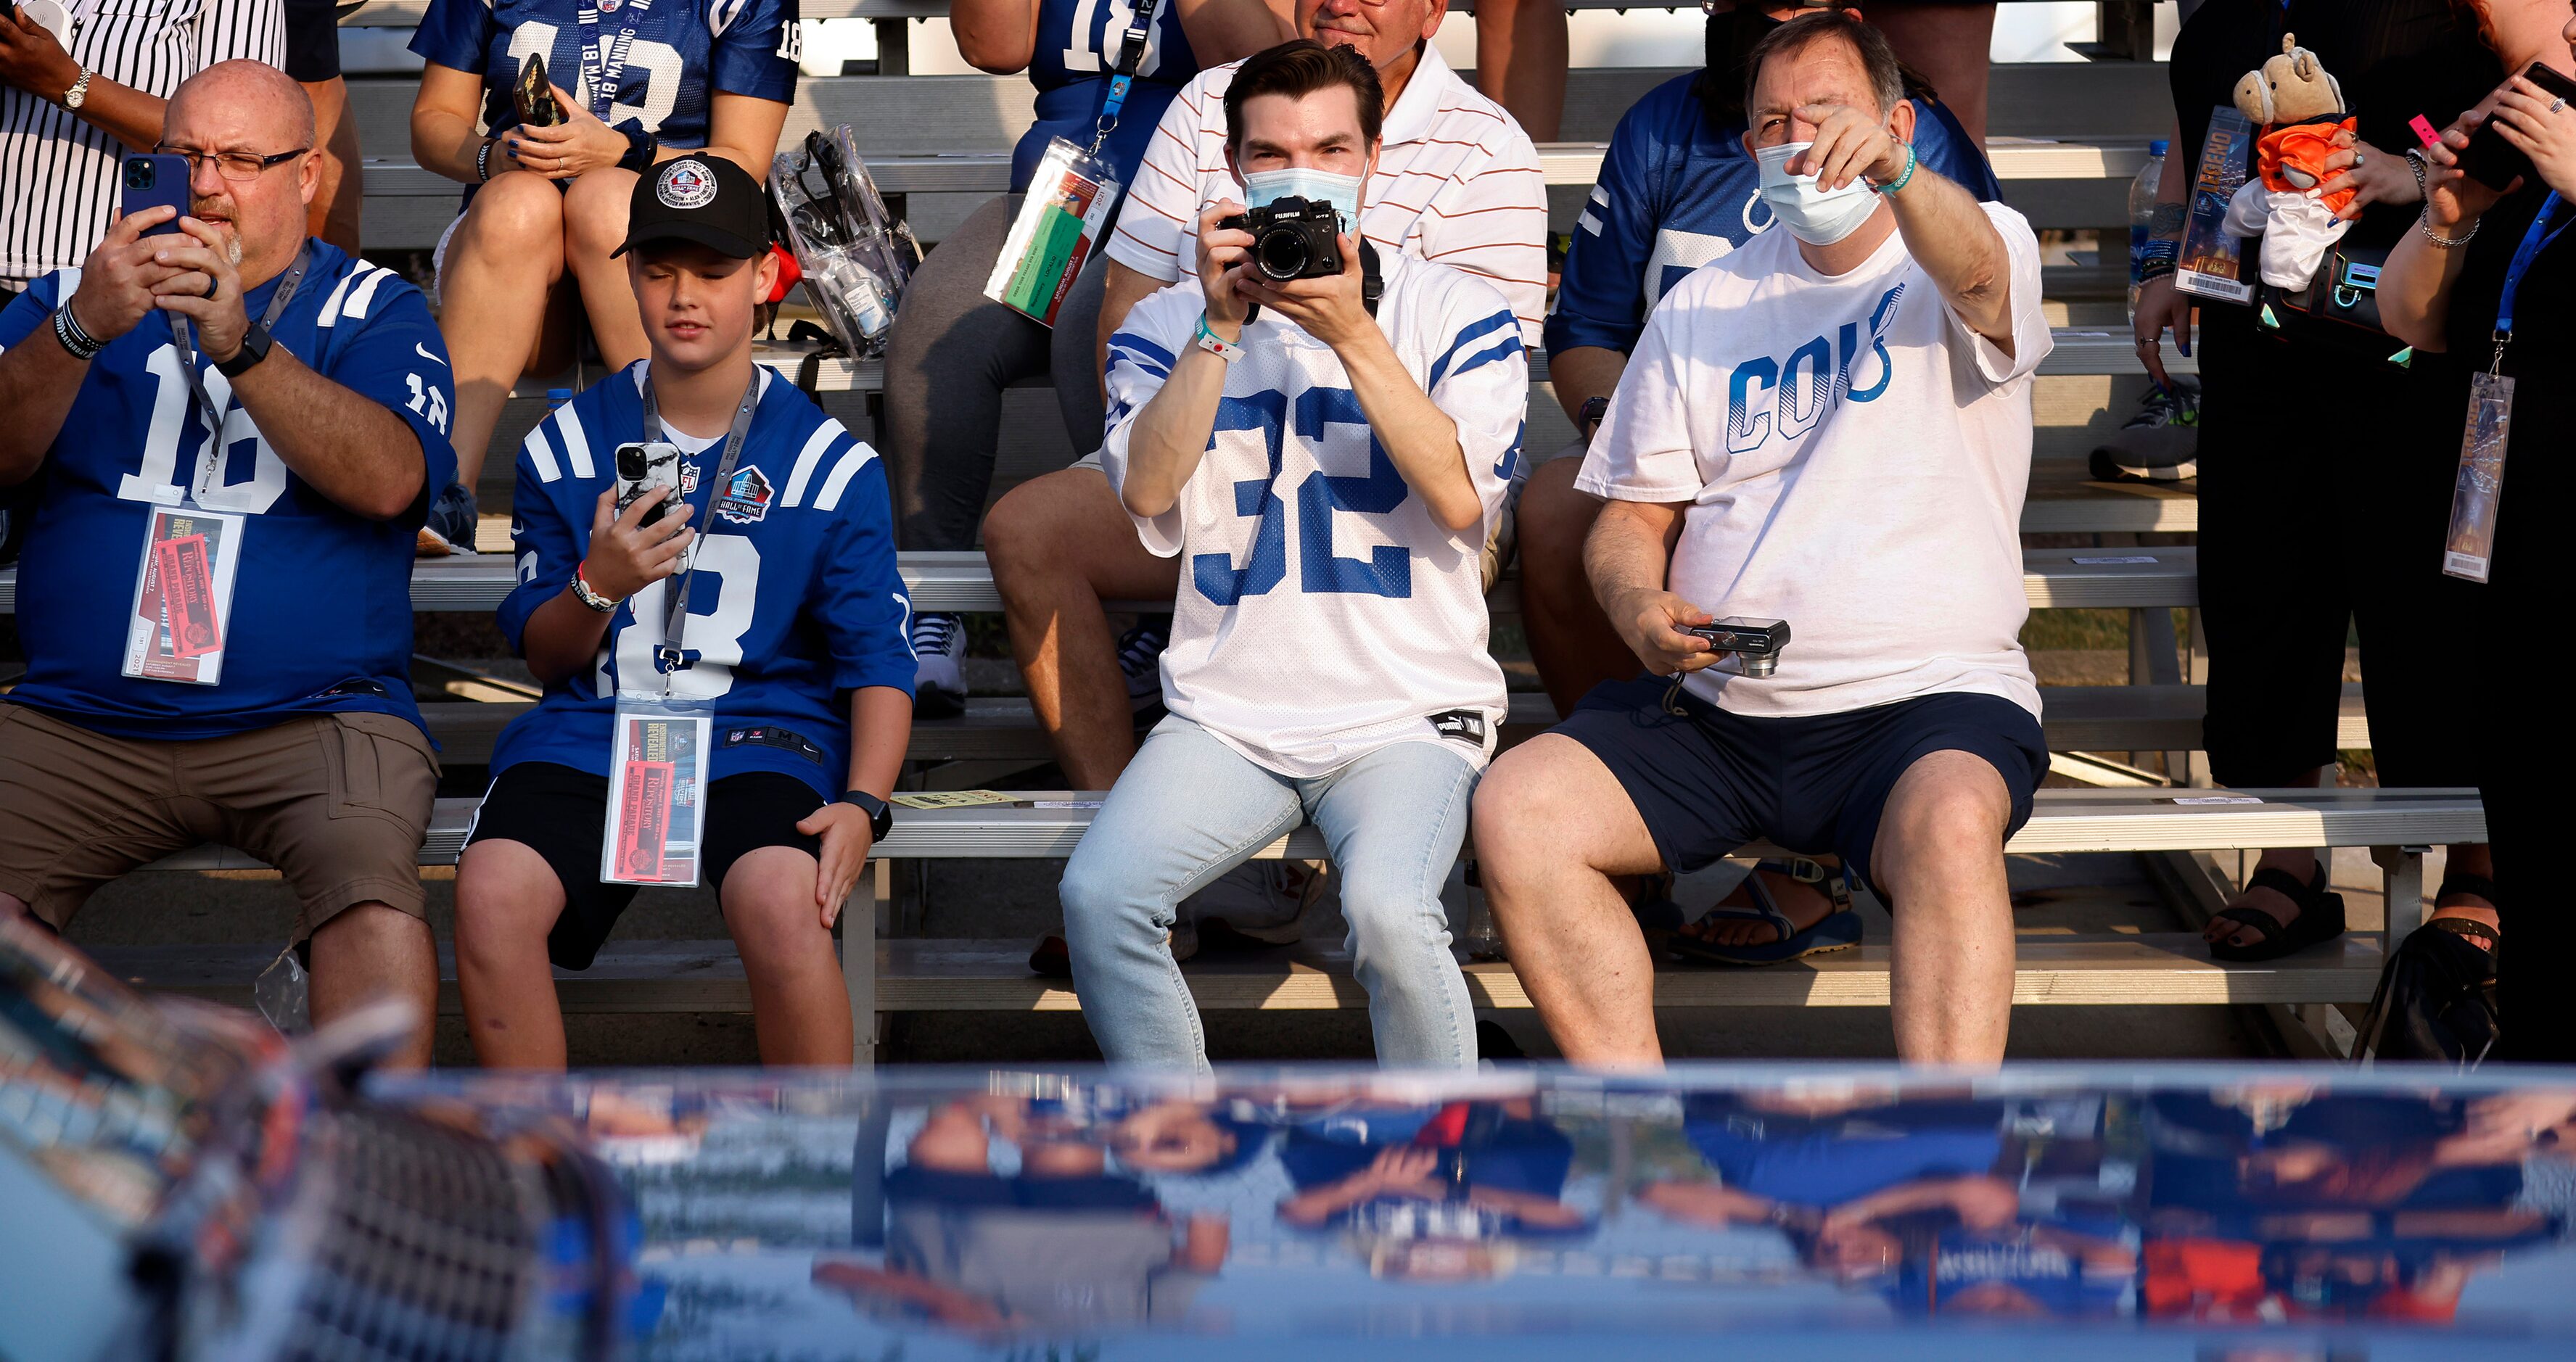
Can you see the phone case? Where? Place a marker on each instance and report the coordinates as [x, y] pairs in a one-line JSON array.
[[534, 97]]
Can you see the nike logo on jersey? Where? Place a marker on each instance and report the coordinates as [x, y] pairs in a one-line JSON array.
[[425, 354]]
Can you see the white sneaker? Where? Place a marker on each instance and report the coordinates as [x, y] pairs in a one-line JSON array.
[[939, 678], [1264, 900], [1140, 657]]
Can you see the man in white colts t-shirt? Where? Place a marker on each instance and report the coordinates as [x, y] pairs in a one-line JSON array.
[[1325, 475], [1829, 427]]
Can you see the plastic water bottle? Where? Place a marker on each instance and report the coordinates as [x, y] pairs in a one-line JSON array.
[[2142, 216], [556, 397]]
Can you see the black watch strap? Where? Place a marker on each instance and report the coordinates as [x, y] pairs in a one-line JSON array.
[[254, 348], [880, 813]]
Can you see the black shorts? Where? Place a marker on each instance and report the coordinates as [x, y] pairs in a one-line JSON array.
[[562, 814], [313, 40], [1710, 783]]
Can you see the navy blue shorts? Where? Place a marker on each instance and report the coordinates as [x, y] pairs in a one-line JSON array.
[[1712, 782]]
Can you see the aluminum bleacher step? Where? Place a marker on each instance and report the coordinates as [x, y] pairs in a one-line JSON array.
[[1003, 728], [993, 976], [2053, 579]]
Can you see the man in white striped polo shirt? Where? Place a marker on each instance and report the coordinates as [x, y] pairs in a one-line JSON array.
[[82, 83]]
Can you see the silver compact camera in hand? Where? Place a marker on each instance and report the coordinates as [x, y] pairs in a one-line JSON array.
[[1755, 643]]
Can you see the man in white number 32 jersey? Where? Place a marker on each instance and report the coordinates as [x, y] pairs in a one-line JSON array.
[[1329, 469]]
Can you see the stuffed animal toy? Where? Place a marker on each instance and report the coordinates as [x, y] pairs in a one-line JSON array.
[[2300, 108]]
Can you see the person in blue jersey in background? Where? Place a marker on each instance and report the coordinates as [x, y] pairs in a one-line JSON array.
[[795, 636], [1677, 190], [306, 749], [637, 83], [954, 350]]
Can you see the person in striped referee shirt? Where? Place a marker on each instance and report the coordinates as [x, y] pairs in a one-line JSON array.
[[74, 102]]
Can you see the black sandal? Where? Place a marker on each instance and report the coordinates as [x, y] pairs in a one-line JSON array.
[[2320, 918]]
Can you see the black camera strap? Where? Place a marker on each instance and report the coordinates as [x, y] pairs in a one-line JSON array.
[[1372, 284], [675, 622]]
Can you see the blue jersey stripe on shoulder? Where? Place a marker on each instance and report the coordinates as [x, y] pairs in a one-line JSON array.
[[1504, 349], [1472, 332], [1146, 353]]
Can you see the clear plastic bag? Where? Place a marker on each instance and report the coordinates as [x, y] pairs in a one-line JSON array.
[[857, 258]]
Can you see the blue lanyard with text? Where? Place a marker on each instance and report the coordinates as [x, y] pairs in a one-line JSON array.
[[1131, 56], [2533, 243], [603, 64]]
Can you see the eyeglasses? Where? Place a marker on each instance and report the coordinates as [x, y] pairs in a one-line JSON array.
[[240, 167]]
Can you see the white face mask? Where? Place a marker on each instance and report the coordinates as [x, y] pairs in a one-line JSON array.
[[1264, 187], [1818, 217]]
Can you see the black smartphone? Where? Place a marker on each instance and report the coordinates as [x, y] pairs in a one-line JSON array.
[[2494, 162], [151, 180], [536, 98]]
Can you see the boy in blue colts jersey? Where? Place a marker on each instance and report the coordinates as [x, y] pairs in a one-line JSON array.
[[1328, 472], [330, 387], [795, 635]]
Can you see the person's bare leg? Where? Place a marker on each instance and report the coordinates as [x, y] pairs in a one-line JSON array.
[[1552, 826], [1520, 62], [502, 263], [370, 951], [341, 196], [594, 225], [800, 1009], [1059, 546], [1950, 44], [11, 906], [2299, 863], [1569, 638], [507, 900], [1940, 858]]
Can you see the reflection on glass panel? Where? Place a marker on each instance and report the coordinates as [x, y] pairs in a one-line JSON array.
[[2206, 1213]]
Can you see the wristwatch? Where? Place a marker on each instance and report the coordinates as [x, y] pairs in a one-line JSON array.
[[1592, 410], [254, 348], [78, 95], [880, 813]]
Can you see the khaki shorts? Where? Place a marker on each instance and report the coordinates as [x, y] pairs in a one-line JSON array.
[[337, 802]]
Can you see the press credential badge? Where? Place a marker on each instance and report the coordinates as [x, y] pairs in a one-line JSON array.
[[183, 596]]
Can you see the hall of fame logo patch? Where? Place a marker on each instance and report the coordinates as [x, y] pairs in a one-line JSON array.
[[745, 498], [685, 184]]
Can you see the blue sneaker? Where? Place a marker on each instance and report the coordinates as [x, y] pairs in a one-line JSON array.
[[450, 528]]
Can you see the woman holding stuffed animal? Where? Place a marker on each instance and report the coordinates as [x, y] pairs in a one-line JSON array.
[[2326, 450], [2445, 289]]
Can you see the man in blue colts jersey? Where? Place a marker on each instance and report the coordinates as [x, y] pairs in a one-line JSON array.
[[1677, 190], [218, 634], [1327, 473], [780, 544]]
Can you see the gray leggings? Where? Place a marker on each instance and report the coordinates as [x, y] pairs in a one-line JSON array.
[[952, 353]]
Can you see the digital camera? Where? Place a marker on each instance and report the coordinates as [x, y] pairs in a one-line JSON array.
[[1292, 238], [1755, 643]]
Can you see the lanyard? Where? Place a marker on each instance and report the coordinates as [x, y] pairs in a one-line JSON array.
[[2533, 243], [603, 64], [675, 623], [183, 336], [1131, 55]]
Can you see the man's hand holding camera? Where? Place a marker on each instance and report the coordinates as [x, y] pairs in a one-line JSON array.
[[1225, 258], [1327, 308], [627, 555], [1652, 619]]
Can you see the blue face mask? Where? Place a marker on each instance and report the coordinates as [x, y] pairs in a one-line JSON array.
[[1264, 187]]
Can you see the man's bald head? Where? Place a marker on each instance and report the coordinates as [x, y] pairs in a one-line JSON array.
[[243, 109], [259, 96]]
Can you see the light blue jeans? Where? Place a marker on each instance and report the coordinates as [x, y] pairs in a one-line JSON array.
[[1189, 808]]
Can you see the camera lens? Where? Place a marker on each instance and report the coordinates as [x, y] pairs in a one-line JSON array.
[[138, 174], [630, 463], [1281, 253]]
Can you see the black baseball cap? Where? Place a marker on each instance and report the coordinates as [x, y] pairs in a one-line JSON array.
[[700, 198]]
